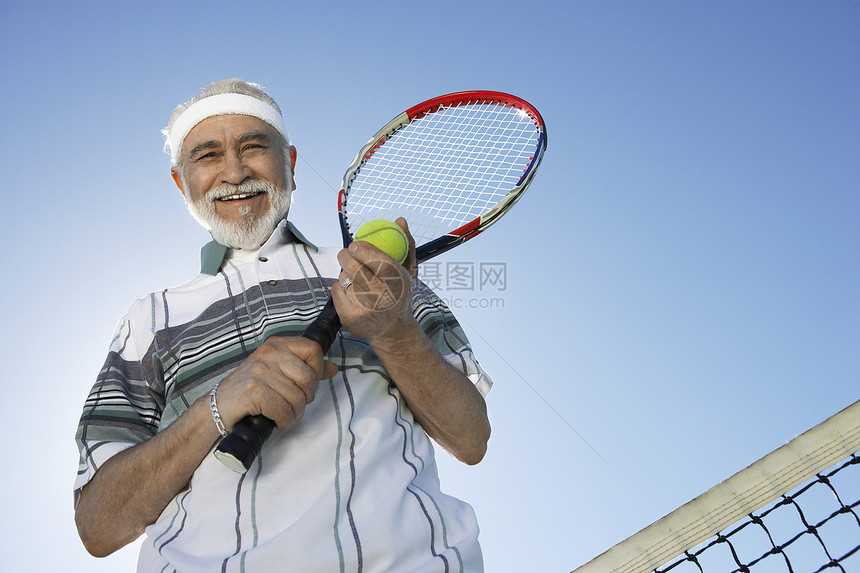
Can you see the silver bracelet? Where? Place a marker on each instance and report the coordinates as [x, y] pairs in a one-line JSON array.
[[213, 405]]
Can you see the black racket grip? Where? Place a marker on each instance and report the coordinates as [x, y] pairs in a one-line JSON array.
[[323, 330], [240, 447]]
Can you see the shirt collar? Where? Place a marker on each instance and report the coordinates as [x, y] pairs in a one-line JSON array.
[[213, 253]]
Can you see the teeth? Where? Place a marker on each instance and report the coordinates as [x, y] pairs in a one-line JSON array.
[[238, 196]]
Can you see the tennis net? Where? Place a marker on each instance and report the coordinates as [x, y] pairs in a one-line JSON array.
[[797, 510]]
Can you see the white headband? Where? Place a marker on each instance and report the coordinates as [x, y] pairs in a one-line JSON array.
[[221, 104]]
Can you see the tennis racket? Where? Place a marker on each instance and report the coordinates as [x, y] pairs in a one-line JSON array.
[[452, 166]]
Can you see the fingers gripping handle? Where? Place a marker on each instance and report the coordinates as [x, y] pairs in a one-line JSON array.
[[239, 449]]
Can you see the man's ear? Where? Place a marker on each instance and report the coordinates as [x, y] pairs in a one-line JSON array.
[[293, 156], [177, 180]]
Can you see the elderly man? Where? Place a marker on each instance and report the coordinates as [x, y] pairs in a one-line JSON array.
[[348, 481]]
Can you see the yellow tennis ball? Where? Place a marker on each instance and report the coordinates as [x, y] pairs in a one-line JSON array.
[[386, 236]]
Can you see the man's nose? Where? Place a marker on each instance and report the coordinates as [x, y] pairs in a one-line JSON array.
[[235, 170]]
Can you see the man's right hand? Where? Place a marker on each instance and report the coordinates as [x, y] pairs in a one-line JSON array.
[[132, 488], [278, 380]]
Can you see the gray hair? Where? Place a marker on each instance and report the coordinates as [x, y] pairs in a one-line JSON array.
[[218, 87]]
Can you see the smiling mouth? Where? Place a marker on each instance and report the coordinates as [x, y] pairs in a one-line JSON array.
[[239, 196]]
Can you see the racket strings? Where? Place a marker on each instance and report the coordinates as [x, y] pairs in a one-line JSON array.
[[445, 169]]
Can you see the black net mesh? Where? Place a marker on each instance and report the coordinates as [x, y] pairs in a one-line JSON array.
[[813, 528]]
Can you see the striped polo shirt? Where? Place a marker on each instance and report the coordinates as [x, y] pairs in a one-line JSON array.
[[351, 487]]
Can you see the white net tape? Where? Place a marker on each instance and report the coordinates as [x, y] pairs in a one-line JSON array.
[[771, 478]]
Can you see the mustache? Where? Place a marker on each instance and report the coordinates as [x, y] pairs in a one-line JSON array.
[[228, 189]]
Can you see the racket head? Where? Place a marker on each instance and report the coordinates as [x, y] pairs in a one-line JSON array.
[[452, 166]]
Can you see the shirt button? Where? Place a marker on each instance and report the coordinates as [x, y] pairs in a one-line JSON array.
[[262, 259], [272, 283]]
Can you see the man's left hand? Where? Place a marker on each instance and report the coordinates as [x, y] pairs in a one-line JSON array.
[[376, 304]]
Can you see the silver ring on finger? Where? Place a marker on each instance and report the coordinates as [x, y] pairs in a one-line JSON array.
[[346, 282]]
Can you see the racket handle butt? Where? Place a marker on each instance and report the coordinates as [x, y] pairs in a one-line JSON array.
[[240, 447]]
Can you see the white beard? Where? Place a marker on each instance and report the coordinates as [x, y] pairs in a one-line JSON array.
[[247, 232]]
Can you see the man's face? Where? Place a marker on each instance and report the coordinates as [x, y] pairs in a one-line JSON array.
[[235, 178]]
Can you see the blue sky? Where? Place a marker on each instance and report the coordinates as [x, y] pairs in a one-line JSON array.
[[682, 277]]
